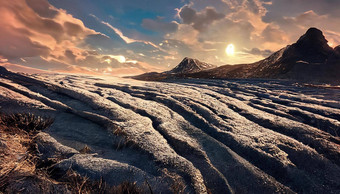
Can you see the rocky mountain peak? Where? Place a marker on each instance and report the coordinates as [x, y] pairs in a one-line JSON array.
[[311, 47], [3, 69], [337, 49], [189, 65], [313, 36]]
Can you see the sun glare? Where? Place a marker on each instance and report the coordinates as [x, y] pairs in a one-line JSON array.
[[230, 50], [119, 58]]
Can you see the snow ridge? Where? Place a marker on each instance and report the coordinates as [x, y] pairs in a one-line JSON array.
[[259, 136]]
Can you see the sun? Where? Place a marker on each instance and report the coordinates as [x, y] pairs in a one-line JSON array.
[[230, 50]]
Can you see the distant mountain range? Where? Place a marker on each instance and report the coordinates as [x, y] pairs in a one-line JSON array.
[[310, 59]]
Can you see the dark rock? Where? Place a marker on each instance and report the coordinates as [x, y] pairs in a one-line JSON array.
[[337, 52], [85, 150], [3, 69], [48, 147], [312, 47]]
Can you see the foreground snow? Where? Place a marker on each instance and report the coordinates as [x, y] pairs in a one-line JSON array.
[[237, 136]]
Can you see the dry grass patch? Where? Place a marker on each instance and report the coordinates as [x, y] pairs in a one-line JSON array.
[[20, 170], [80, 184]]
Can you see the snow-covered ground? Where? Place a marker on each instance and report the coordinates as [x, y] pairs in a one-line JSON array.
[[241, 136]]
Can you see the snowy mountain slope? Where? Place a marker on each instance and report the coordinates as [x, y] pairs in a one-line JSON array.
[[261, 136]]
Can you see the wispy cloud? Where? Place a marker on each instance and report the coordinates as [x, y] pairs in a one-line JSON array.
[[120, 33], [122, 36]]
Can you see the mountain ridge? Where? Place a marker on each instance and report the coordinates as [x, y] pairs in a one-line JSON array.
[[309, 59]]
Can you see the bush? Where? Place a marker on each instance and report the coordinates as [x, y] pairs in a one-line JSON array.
[[80, 184], [26, 121]]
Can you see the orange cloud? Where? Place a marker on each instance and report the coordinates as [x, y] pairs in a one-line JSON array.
[[35, 33], [35, 28], [23, 69]]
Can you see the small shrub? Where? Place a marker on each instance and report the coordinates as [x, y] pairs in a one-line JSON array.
[[26, 121], [80, 184]]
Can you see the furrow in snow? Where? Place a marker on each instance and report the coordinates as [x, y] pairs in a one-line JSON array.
[[171, 125], [326, 124], [326, 108], [285, 144], [135, 128], [194, 132]]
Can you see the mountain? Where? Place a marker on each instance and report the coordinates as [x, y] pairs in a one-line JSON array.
[[185, 67], [189, 65], [310, 59]]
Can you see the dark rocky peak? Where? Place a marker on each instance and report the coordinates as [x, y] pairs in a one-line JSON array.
[[3, 69], [313, 37], [336, 54], [311, 47], [337, 49], [189, 65]]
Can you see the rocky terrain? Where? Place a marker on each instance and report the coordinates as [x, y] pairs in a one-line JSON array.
[[310, 59], [190, 135]]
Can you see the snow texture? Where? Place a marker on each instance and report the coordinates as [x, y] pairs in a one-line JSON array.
[[240, 136]]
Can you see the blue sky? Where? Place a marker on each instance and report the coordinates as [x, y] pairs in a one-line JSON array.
[[131, 37]]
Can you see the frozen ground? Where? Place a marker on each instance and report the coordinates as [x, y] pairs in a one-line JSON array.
[[240, 136]]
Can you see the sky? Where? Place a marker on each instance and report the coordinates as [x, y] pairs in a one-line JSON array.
[[120, 37]]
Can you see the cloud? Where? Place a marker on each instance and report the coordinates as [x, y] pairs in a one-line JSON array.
[[245, 24], [120, 33], [36, 34], [72, 29], [273, 34], [122, 36], [70, 56], [206, 33], [207, 30], [186, 34], [333, 38], [42, 8], [259, 52], [295, 17], [199, 20], [229, 31], [101, 42], [254, 6], [294, 26], [38, 29], [39, 35], [160, 26], [21, 68], [16, 43], [280, 8]]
